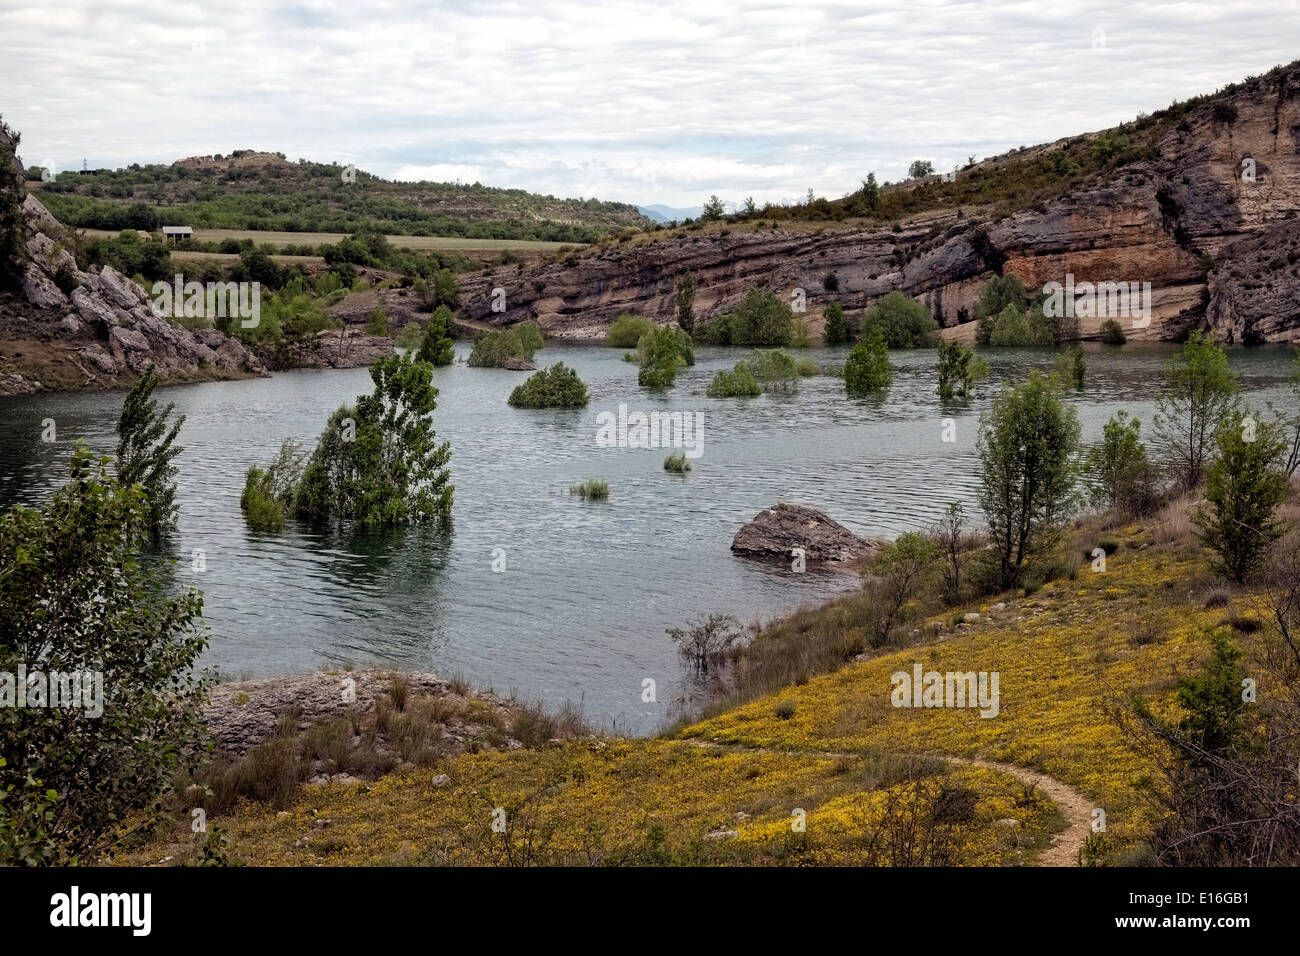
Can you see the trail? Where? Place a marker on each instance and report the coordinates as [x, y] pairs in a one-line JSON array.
[[1074, 806]]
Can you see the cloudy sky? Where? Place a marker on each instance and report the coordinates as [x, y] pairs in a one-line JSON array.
[[645, 102]]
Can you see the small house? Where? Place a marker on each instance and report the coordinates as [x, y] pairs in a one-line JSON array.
[[177, 233]]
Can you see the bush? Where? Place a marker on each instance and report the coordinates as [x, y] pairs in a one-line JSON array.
[[837, 326], [74, 600], [738, 383], [706, 642], [411, 336], [1123, 479], [807, 368], [762, 319], [593, 489], [555, 387], [775, 370], [867, 369], [998, 293], [677, 463], [438, 347], [902, 321], [1026, 445], [1011, 329], [1112, 333], [377, 324], [1243, 489], [626, 331], [496, 349], [903, 568], [661, 352], [959, 370], [1072, 368]]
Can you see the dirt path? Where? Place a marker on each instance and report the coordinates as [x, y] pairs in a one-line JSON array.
[[1074, 806]]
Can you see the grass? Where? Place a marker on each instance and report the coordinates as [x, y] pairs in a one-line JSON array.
[[593, 489], [677, 463]]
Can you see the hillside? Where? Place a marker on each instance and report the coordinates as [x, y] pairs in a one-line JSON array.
[[264, 191], [1162, 199]]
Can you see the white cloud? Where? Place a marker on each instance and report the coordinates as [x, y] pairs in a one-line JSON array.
[[641, 102]]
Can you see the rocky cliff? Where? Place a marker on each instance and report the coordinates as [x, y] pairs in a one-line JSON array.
[[65, 328], [1215, 238]]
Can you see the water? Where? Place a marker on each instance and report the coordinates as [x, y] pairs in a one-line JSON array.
[[589, 587]]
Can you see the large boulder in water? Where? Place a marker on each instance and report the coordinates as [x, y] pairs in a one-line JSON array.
[[776, 532]]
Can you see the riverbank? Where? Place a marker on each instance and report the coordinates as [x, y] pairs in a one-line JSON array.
[[828, 770]]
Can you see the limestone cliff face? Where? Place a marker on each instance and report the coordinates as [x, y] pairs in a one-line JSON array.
[[1213, 244], [68, 329]]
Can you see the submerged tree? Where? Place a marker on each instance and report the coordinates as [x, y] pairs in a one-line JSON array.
[[378, 462], [438, 346], [145, 451]]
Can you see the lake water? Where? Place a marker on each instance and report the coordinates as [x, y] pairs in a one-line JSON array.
[[589, 588]]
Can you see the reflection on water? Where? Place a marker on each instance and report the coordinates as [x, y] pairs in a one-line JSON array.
[[589, 587]]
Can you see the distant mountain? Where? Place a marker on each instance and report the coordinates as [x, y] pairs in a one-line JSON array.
[[661, 213], [266, 191]]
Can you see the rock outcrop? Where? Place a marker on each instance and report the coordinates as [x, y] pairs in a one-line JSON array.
[[775, 533], [1180, 218], [65, 328]]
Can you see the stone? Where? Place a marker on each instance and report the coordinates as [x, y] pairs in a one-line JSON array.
[[40, 289], [775, 533], [440, 780]]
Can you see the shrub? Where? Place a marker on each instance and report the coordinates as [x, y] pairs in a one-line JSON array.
[[706, 642], [677, 463], [959, 370], [75, 600], [555, 387], [761, 319], [998, 293], [1072, 367], [411, 336], [1243, 489], [626, 331], [685, 290], [775, 370], [738, 383], [807, 368], [867, 368], [1026, 444], [437, 346], [837, 326], [496, 349], [1112, 333], [1123, 479], [904, 567], [661, 352], [594, 489], [904, 322], [377, 324], [1011, 329]]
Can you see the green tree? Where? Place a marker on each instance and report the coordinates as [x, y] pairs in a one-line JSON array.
[[868, 369], [1243, 488], [555, 387], [378, 462], [1200, 390], [998, 293], [74, 600], [446, 288], [713, 209], [920, 168], [12, 192], [837, 326], [1112, 333], [146, 450], [905, 566], [762, 319], [738, 383], [903, 322], [959, 370], [686, 303], [1122, 477], [438, 348], [870, 193], [660, 353], [626, 331], [1072, 367], [1026, 443], [1011, 329]]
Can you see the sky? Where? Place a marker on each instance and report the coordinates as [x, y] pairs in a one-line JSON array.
[[642, 102]]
